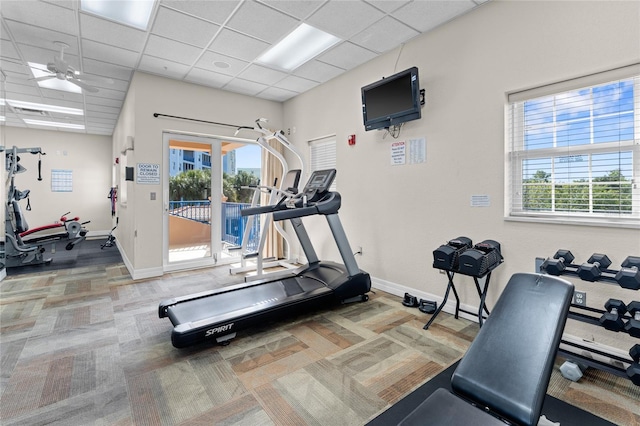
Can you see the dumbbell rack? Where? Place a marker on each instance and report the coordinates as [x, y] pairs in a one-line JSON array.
[[582, 314], [608, 275], [482, 293]]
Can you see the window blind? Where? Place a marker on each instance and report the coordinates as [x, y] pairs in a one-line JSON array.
[[322, 155], [574, 150]]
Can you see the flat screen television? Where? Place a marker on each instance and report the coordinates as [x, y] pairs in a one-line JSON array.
[[392, 100]]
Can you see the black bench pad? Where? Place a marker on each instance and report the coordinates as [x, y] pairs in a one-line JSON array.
[[508, 365], [444, 408]]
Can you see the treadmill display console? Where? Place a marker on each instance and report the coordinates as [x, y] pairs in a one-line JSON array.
[[320, 181]]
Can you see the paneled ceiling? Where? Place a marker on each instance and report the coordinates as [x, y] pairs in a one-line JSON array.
[[213, 43]]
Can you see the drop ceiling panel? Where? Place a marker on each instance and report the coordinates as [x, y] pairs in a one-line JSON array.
[[163, 67], [20, 89], [110, 94], [296, 84], [187, 29], [318, 71], [426, 15], [41, 37], [207, 78], [262, 74], [296, 8], [262, 22], [8, 50], [245, 87], [107, 32], [388, 6], [387, 34], [347, 56], [345, 18], [44, 56], [14, 70], [100, 83], [234, 44], [42, 14], [108, 53], [171, 50], [59, 97], [215, 11], [106, 69], [94, 114], [103, 109], [209, 60], [276, 93], [93, 100], [206, 42]]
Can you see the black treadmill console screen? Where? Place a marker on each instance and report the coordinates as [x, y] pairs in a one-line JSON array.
[[320, 180]]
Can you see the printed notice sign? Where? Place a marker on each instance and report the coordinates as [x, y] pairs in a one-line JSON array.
[[480, 201], [417, 150], [148, 173], [398, 153]]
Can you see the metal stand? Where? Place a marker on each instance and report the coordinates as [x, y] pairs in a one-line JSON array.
[[482, 293]]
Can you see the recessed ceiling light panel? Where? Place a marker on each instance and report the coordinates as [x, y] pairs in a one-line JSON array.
[[53, 124], [135, 13], [44, 107], [301, 45]]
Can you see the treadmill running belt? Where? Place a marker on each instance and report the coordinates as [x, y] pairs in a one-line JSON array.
[[221, 304], [291, 287]]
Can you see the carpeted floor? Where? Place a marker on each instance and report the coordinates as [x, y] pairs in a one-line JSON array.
[[85, 346], [553, 409], [86, 253]]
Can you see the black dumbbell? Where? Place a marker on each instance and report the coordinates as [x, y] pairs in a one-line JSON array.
[[592, 269], [629, 275], [633, 325], [612, 319], [559, 263], [634, 369]]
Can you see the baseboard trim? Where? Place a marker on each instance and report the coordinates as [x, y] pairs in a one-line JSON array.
[[399, 290], [137, 274]]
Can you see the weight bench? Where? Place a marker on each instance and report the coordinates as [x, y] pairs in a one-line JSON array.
[[506, 371]]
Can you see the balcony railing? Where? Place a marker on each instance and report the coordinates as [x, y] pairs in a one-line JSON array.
[[231, 221]]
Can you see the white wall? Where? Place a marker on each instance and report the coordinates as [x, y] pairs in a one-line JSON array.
[[400, 214], [87, 156], [140, 233]]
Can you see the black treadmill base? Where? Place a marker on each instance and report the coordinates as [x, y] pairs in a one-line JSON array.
[[211, 317]]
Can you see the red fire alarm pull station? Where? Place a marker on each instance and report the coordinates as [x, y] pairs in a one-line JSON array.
[[352, 140]]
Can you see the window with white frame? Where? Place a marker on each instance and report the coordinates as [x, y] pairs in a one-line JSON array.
[[574, 150], [322, 155]]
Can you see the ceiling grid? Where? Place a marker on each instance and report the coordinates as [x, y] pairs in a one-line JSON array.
[[215, 44]]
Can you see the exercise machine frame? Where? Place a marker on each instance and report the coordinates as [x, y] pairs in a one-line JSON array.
[[21, 251]]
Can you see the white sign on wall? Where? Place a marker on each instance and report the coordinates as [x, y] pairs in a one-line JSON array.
[[398, 153], [417, 150], [147, 173]]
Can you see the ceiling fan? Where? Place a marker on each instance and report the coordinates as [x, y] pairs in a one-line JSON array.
[[61, 70]]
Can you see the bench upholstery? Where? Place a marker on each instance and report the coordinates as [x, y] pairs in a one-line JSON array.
[[508, 366]]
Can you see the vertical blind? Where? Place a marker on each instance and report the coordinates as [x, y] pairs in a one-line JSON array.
[[573, 148]]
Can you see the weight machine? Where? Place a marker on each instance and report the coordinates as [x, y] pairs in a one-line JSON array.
[[23, 251]]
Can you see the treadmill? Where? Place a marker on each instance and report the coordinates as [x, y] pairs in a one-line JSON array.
[[217, 315]]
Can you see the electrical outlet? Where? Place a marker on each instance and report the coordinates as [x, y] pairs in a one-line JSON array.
[[580, 298]]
